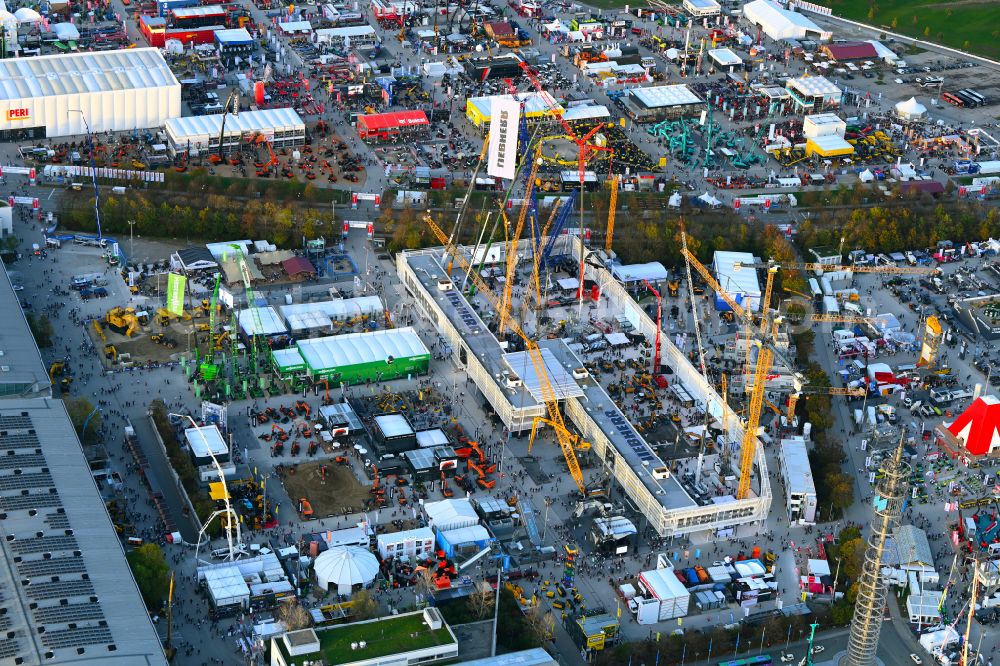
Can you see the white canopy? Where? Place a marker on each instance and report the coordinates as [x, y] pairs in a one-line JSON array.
[[27, 15], [910, 108], [675, 200], [866, 176], [345, 567], [710, 200], [66, 31]]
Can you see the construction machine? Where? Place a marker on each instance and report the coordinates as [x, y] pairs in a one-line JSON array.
[[563, 435], [164, 316], [161, 339], [122, 321], [111, 353]]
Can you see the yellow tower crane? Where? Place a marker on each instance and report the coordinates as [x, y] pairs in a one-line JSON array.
[[567, 441], [612, 205], [765, 356]]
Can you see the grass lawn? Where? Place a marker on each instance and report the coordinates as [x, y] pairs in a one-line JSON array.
[[950, 23], [384, 637]]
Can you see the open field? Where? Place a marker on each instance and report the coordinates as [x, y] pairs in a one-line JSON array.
[[340, 491], [971, 25]]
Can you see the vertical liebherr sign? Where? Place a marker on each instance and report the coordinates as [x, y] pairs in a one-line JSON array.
[[175, 293], [505, 115]]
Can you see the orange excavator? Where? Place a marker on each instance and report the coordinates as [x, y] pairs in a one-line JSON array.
[[445, 488], [302, 408], [264, 168], [326, 392]]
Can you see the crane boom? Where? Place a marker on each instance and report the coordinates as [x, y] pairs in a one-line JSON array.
[[508, 284], [565, 439], [694, 308], [749, 447], [612, 205]]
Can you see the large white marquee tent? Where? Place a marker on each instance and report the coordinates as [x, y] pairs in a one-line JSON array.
[[60, 95]]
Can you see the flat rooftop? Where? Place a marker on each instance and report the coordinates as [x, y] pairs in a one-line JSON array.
[[382, 637], [482, 343], [82, 73], [22, 372], [60, 540], [632, 448]]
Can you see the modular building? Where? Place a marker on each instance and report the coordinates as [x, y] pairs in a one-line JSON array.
[[800, 489], [61, 95], [702, 8], [384, 126], [204, 443], [350, 37], [355, 358], [234, 43], [663, 586], [408, 544], [534, 105], [741, 284], [648, 105], [813, 92], [281, 127]]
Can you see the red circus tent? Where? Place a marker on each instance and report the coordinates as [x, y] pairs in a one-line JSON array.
[[383, 125], [978, 427]]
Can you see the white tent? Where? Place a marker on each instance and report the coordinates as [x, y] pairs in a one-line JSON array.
[[910, 109], [866, 176], [66, 31], [27, 15], [710, 200], [345, 567], [675, 200]]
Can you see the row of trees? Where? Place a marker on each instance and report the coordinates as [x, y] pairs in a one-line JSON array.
[[891, 229], [181, 463]]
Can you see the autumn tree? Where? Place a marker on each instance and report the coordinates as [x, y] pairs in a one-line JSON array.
[[363, 606], [480, 602], [293, 615]]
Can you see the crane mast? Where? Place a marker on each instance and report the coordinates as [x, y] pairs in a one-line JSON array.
[[564, 437]]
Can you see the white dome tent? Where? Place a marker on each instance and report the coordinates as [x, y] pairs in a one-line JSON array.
[[8, 22], [345, 567], [27, 15], [910, 109]]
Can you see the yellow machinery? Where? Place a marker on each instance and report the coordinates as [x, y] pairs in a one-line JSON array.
[[57, 368], [100, 331], [565, 438], [612, 204], [932, 342], [122, 321], [111, 353], [164, 316], [161, 339]]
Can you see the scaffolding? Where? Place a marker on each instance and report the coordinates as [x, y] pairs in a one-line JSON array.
[[870, 605]]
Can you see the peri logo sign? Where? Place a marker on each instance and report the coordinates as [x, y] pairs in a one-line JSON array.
[[18, 114]]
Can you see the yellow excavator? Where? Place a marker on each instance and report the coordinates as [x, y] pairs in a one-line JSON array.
[[123, 321]]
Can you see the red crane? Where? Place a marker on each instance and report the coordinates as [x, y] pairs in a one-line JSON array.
[[659, 325], [585, 149]]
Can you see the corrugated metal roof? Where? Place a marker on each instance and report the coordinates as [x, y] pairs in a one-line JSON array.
[[356, 348], [79, 73], [266, 121]]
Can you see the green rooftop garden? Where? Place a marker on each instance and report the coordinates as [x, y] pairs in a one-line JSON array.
[[383, 637]]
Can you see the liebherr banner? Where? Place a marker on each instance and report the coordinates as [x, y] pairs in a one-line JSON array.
[[505, 115]]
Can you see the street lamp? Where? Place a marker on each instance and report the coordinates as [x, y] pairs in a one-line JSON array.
[[131, 247], [93, 170], [231, 517]]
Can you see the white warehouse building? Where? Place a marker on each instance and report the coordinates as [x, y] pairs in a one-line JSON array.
[[60, 95], [779, 23]]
